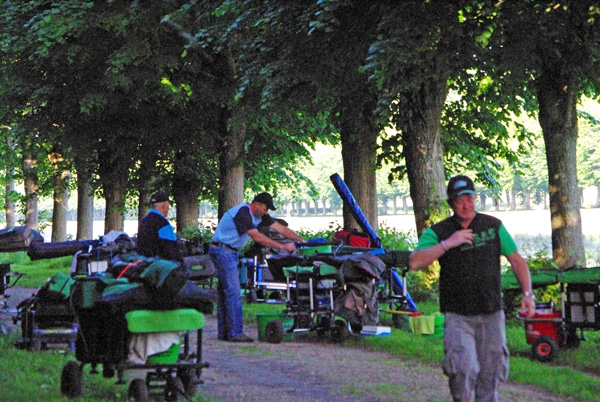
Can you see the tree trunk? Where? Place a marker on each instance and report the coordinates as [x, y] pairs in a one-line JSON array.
[[558, 118], [9, 204], [61, 206], [527, 200], [85, 209], [186, 191], [147, 184], [513, 199], [359, 156], [114, 187], [424, 154], [30, 179], [60, 198], [9, 194], [231, 168]]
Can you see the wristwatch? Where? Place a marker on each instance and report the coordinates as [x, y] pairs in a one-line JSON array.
[[529, 294]]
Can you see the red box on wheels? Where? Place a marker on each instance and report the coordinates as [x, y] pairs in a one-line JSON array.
[[542, 332]]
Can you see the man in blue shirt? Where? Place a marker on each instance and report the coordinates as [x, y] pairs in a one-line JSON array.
[[235, 228], [156, 237]]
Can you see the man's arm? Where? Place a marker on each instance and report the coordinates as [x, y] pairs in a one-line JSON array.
[[521, 271], [424, 257], [268, 242], [286, 232]]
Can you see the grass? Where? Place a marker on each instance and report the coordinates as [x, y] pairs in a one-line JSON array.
[[36, 376], [36, 273], [574, 373]]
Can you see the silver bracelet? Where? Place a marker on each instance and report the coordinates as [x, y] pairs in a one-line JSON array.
[[443, 243], [529, 294]]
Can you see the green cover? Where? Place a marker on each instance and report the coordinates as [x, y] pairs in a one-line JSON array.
[[546, 277], [158, 271], [580, 276], [169, 356], [322, 269], [539, 279], [143, 321], [59, 286]]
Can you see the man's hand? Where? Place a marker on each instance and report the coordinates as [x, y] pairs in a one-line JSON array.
[[460, 237], [290, 247], [528, 305]]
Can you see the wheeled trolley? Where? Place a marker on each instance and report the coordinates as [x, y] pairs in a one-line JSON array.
[[310, 302], [553, 328], [46, 317], [122, 341], [259, 284]]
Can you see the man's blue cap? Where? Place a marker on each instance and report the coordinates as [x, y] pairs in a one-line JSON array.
[[459, 185]]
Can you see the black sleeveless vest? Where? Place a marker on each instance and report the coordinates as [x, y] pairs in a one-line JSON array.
[[470, 274]]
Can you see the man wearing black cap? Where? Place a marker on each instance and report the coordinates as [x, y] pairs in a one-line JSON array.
[[156, 237], [468, 246], [235, 228]]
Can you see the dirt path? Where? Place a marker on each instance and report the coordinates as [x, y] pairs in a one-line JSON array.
[[306, 370]]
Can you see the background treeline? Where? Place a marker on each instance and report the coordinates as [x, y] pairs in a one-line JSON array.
[[212, 100]]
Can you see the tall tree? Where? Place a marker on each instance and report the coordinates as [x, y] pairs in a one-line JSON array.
[[556, 68]]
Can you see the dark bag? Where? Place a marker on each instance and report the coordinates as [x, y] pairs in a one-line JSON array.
[[358, 304]]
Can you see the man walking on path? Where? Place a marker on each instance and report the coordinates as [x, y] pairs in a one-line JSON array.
[[468, 246]]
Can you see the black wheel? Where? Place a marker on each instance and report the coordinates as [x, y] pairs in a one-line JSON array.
[[174, 389], [251, 297], [274, 331], [189, 379], [275, 295], [70, 380], [340, 331], [544, 348], [138, 390]]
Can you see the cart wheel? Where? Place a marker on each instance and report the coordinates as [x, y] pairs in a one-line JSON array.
[[189, 379], [138, 390], [274, 331], [544, 348], [340, 331], [275, 295], [173, 389], [251, 297], [70, 380]]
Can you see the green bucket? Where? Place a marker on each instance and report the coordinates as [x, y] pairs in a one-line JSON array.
[[263, 318], [438, 326]]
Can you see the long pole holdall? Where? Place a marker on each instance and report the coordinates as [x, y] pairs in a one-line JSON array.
[[398, 284]]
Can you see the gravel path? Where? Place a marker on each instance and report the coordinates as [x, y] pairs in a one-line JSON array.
[[309, 370]]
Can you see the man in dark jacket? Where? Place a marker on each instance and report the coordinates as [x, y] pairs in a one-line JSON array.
[[156, 236], [468, 246]]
